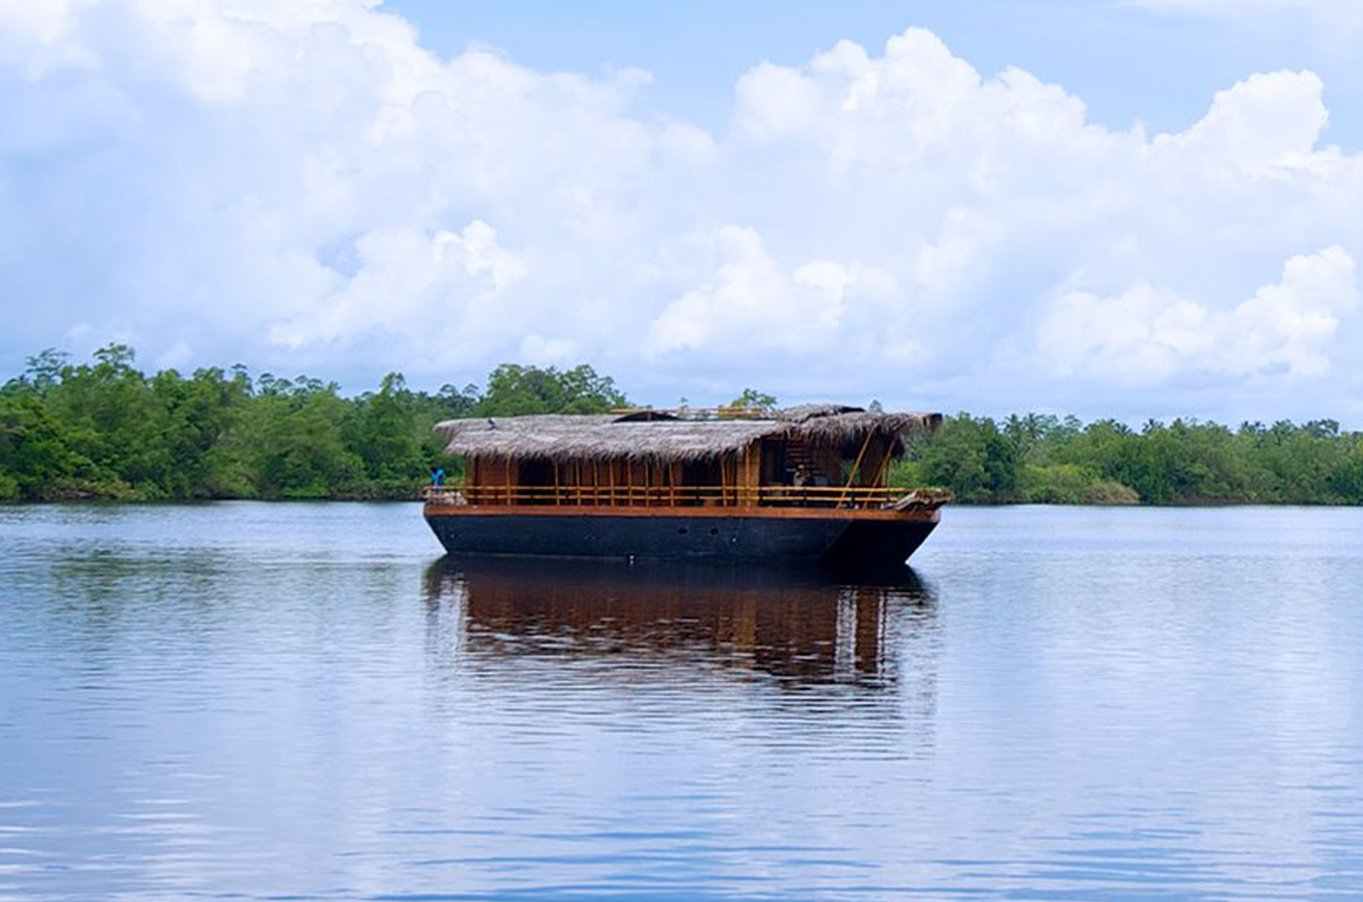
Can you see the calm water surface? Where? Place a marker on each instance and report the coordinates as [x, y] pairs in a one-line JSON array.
[[297, 701]]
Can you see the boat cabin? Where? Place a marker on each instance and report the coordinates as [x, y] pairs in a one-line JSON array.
[[809, 456]]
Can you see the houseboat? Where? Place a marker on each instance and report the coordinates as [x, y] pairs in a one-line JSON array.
[[807, 483]]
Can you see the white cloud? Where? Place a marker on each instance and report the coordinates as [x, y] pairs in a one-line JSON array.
[[1266, 124], [752, 303], [302, 184], [1147, 335], [775, 101], [438, 287], [540, 351]]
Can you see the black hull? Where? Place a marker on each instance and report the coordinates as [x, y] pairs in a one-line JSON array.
[[834, 540]]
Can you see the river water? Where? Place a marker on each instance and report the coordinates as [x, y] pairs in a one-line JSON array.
[[304, 701]]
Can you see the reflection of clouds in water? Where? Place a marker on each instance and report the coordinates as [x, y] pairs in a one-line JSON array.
[[799, 627], [266, 699]]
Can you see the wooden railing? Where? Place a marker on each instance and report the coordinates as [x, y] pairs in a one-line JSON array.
[[670, 496]]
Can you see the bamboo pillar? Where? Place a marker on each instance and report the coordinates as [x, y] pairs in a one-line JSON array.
[[856, 465], [883, 471], [749, 475]]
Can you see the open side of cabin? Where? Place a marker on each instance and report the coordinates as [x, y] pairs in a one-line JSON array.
[[798, 485], [661, 460]]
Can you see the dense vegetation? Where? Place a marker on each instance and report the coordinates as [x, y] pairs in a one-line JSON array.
[[1048, 460], [104, 429]]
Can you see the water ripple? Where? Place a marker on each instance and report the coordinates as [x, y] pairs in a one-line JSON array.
[[249, 701]]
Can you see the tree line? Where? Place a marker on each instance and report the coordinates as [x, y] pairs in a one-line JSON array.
[[1046, 459], [103, 429], [106, 430]]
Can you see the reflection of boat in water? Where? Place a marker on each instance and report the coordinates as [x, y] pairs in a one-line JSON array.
[[802, 624], [809, 483]]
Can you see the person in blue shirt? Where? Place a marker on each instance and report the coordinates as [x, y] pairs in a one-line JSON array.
[[438, 476]]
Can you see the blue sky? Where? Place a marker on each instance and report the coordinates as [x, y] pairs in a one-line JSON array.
[[1138, 208], [1129, 62]]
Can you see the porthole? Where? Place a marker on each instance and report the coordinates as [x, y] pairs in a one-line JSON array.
[[682, 530], [714, 530]]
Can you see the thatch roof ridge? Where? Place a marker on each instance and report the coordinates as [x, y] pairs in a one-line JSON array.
[[838, 427], [602, 436], [802, 412]]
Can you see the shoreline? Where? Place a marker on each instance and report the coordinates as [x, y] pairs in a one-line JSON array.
[[416, 499]]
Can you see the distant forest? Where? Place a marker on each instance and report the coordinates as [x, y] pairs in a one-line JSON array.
[[106, 430], [1048, 460]]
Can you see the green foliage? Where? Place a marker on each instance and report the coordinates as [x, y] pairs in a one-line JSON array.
[[973, 459], [386, 434], [514, 390], [1054, 483], [752, 399], [33, 452], [297, 449], [1105, 491], [104, 429], [1053, 461]]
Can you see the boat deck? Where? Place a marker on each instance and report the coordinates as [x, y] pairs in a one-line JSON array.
[[821, 501]]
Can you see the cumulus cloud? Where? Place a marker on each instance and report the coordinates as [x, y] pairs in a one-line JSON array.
[[303, 184], [402, 278], [1146, 335], [1265, 124], [753, 303]]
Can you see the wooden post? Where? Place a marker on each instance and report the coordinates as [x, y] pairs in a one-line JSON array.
[[883, 473], [856, 465], [749, 475]]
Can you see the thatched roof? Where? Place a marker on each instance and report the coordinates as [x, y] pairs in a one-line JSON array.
[[600, 437]]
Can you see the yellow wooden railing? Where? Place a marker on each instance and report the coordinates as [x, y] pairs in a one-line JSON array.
[[667, 496]]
